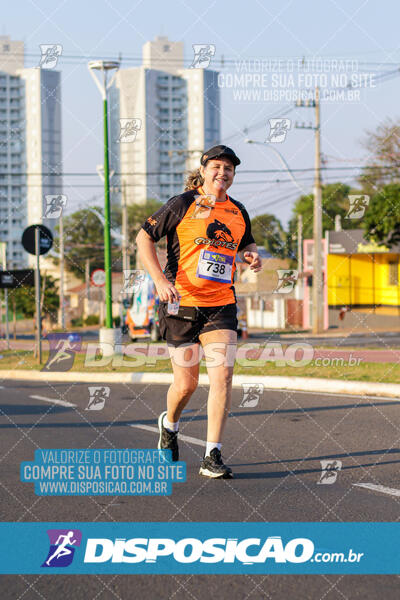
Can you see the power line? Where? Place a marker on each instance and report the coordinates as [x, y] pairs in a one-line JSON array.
[[244, 171], [275, 62], [246, 130]]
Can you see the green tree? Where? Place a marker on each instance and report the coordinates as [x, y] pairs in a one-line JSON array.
[[381, 222], [383, 146], [268, 232], [83, 239], [335, 201], [25, 298], [137, 215], [84, 235]]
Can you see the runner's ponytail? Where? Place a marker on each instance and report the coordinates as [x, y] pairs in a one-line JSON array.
[[193, 180]]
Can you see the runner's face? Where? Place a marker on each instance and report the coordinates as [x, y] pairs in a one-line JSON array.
[[218, 175]]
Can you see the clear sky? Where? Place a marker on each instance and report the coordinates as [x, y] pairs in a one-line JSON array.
[[365, 33]]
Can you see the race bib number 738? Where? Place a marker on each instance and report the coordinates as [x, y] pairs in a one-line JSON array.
[[215, 266]]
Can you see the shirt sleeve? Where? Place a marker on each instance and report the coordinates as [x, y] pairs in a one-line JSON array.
[[165, 219], [247, 236]]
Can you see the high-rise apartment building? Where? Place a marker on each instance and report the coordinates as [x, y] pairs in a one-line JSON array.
[[30, 146], [163, 116]]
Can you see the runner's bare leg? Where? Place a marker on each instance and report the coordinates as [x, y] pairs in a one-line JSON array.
[[219, 348], [185, 365]]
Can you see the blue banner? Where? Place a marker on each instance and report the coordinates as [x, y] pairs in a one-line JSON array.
[[208, 548], [100, 472]]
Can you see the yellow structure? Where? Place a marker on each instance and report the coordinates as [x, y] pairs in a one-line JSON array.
[[360, 273]]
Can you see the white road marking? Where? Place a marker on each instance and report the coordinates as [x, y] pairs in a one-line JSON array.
[[378, 488], [184, 438], [336, 394], [54, 401]]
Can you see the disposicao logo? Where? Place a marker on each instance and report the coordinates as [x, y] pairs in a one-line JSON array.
[[62, 547], [190, 550]]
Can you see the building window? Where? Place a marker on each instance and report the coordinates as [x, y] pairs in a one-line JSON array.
[[6, 47], [166, 48], [393, 273]]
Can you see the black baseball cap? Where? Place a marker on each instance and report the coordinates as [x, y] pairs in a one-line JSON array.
[[218, 152]]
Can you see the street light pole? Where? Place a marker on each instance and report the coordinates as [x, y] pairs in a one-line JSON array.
[[104, 67], [125, 256], [282, 160], [107, 224]]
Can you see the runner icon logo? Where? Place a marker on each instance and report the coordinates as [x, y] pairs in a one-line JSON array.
[[54, 205], [62, 547], [50, 55], [98, 394], [203, 54], [330, 470], [63, 347], [133, 280], [287, 279], [251, 394], [357, 206]]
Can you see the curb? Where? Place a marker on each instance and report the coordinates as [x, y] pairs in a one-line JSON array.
[[306, 384]]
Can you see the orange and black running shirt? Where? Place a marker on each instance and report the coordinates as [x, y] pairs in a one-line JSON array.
[[203, 238]]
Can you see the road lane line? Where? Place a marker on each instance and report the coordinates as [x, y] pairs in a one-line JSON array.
[[54, 401], [336, 394], [378, 488], [184, 438]]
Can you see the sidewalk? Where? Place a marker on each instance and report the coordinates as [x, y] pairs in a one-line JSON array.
[[306, 384]]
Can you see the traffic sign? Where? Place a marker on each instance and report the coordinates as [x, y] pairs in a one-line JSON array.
[[15, 279], [98, 277], [45, 239]]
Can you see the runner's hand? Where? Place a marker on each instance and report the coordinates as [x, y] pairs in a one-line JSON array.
[[166, 291], [253, 258]]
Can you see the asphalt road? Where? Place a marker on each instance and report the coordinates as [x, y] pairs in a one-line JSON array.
[[274, 448]]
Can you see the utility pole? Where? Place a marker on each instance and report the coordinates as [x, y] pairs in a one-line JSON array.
[[62, 301], [300, 252], [14, 318], [7, 331], [317, 292], [87, 281], [300, 243]]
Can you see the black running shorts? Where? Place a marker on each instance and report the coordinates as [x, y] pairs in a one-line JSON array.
[[177, 331]]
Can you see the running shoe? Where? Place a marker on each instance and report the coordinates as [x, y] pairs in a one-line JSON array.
[[213, 466], [168, 440]]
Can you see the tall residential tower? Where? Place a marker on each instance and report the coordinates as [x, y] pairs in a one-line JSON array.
[[30, 146], [174, 114]]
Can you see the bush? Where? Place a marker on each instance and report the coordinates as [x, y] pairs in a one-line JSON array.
[[77, 322], [92, 320]]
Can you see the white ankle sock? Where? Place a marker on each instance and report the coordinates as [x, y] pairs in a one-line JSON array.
[[170, 426], [210, 446]]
